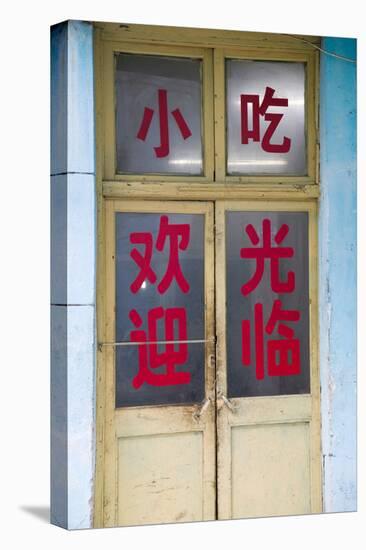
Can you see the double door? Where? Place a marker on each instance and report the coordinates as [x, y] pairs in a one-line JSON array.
[[209, 387]]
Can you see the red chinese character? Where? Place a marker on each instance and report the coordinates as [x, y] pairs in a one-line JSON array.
[[283, 355], [178, 236], [267, 251], [142, 261], [163, 149], [259, 110], [150, 358]]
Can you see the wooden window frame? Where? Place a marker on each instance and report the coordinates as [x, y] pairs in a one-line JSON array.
[[309, 59], [109, 102], [213, 47]]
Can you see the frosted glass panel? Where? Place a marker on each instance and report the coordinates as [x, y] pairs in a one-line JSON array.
[[265, 106], [159, 298], [267, 286], [158, 115]]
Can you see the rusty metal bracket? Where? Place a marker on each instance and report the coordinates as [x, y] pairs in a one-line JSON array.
[[226, 401], [199, 412]]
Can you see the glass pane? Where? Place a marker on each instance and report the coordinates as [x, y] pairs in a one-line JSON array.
[[267, 285], [265, 117], [159, 297], [158, 115], [186, 393]]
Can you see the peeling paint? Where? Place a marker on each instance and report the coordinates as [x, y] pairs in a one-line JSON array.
[[337, 295], [337, 274]]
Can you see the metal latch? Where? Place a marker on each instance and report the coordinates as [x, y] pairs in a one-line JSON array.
[[226, 401], [199, 412]]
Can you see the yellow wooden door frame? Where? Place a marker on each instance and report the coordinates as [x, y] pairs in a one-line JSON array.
[[213, 46]]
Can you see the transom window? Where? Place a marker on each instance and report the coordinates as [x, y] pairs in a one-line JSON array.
[[158, 114], [208, 114]]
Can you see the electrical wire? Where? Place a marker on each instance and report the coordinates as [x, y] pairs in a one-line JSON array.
[[321, 49]]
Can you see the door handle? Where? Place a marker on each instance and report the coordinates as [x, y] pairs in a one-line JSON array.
[[226, 401]]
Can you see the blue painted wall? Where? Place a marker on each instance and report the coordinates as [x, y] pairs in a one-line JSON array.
[[73, 275], [338, 301]]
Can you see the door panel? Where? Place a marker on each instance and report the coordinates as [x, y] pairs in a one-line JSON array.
[[270, 460], [160, 478], [268, 433], [159, 463]]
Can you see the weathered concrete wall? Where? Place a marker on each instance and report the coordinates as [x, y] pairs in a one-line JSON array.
[[338, 302], [73, 273]]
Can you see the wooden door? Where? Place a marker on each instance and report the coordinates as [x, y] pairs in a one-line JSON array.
[[160, 452], [268, 421], [159, 429]]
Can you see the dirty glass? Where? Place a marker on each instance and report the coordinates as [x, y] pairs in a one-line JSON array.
[[267, 286], [158, 114], [265, 107], [159, 298]]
